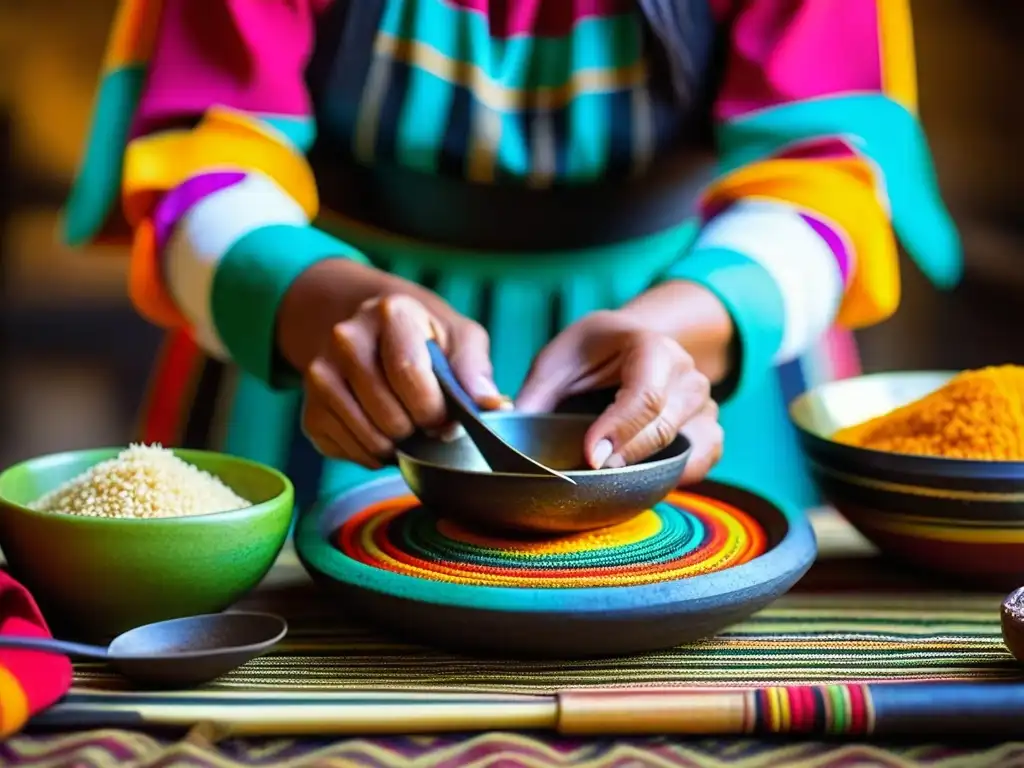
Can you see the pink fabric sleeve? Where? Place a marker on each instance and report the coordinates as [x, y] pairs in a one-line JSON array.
[[792, 50], [250, 56], [781, 52]]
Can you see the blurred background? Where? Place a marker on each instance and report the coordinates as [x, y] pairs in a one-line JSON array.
[[74, 358]]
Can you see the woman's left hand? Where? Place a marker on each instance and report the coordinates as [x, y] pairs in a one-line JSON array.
[[660, 391]]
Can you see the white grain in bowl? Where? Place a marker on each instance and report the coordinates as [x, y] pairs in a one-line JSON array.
[[143, 481]]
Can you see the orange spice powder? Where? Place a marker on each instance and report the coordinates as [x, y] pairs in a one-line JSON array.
[[976, 415]]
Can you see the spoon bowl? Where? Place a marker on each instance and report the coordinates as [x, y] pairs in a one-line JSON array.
[[179, 653]]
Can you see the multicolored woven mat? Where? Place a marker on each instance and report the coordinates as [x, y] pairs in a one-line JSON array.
[[850, 621], [853, 618], [685, 535]]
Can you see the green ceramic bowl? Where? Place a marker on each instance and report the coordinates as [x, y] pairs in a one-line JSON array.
[[96, 577]]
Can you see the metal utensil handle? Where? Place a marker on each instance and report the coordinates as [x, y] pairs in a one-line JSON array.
[[50, 645], [449, 383]]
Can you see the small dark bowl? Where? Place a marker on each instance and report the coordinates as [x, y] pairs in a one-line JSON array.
[[958, 517], [453, 477]]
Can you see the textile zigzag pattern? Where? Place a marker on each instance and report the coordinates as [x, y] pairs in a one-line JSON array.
[[686, 535], [109, 748]]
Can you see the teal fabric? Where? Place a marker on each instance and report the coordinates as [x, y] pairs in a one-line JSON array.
[[261, 422], [300, 131], [250, 282], [886, 133], [98, 183]]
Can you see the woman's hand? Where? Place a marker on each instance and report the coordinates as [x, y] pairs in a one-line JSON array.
[[660, 391], [370, 383]]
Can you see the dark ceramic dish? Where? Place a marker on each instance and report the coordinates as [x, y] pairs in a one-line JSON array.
[[556, 622], [97, 577], [452, 476], [959, 517]]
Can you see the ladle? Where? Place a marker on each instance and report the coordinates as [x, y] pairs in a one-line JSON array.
[[176, 653], [499, 454]]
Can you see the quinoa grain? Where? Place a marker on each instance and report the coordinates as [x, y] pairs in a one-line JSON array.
[[143, 481]]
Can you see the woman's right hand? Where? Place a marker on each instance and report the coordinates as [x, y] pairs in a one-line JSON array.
[[370, 384]]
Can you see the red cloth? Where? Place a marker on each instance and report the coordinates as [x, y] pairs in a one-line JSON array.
[[29, 681]]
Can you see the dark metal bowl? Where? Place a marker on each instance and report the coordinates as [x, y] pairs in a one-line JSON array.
[[453, 479], [954, 516]]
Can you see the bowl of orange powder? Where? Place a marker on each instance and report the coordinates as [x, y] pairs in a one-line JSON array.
[[927, 465]]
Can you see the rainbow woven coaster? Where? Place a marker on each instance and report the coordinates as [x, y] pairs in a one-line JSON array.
[[694, 564], [686, 535]]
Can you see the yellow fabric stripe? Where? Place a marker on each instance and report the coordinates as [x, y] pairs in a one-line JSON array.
[[843, 192], [499, 97], [225, 139], [896, 48], [132, 34], [13, 704]]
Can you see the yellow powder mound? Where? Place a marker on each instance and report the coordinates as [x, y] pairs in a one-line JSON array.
[[144, 481], [976, 415]]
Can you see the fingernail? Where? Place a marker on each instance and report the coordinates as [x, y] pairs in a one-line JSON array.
[[602, 451], [451, 433], [615, 461], [486, 388], [506, 404]]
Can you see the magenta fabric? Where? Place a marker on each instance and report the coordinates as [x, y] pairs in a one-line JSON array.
[[179, 200], [844, 258], [791, 50], [250, 55]]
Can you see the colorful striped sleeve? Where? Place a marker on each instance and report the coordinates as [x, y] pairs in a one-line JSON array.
[[824, 165], [214, 181]]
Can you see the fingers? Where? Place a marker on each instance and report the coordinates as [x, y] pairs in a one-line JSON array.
[[707, 438], [327, 394], [552, 372], [572, 364], [332, 438], [404, 330], [354, 352], [469, 354], [374, 384], [660, 392]]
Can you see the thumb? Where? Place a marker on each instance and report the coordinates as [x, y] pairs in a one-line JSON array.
[[546, 385], [469, 354]]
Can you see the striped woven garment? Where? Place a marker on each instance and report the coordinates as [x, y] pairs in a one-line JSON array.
[[566, 89]]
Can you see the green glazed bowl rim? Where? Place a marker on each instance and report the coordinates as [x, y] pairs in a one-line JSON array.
[[186, 454]]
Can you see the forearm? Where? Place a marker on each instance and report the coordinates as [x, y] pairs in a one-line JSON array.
[[230, 247], [760, 263]]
